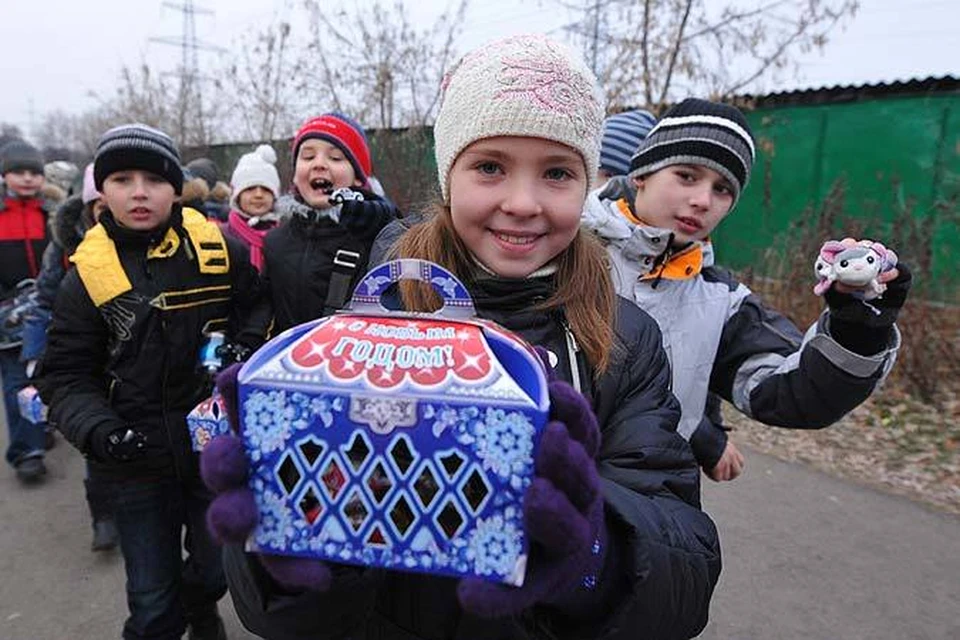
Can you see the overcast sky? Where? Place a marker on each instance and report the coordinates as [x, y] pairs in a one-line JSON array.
[[55, 52]]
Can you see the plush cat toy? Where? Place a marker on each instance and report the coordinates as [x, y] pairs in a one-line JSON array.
[[855, 264]]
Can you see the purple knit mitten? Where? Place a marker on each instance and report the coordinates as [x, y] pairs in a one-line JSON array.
[[563, 516], [232, 515]]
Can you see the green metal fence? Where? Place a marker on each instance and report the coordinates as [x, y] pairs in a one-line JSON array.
[[890, 152]]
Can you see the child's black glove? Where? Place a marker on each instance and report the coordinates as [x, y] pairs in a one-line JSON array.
[[118, 444], [363, 212], [864, 326]]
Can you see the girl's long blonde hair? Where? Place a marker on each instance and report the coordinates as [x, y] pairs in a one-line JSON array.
[[584, 288]]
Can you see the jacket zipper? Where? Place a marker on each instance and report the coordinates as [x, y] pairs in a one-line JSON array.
[[572, 350], [163, 387]]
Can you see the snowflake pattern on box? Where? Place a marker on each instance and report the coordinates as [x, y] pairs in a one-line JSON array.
[[446, 499]]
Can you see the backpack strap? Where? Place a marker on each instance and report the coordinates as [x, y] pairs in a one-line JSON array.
[[345, 266]]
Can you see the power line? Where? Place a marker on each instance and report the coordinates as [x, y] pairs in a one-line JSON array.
[[191, 99]]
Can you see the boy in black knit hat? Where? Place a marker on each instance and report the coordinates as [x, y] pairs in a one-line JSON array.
[[23, 238], [685, 178], [151, 281]]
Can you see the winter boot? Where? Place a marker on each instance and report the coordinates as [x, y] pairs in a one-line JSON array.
[[105, 535]]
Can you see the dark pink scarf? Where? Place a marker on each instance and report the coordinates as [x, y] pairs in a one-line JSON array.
[[251, 236]]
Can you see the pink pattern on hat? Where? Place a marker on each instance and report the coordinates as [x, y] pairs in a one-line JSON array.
[[542, 77]]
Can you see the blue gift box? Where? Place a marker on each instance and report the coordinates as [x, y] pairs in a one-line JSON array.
[[395, 440], [31, 406]]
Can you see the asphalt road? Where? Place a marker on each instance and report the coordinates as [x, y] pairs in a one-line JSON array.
[[806, 557]]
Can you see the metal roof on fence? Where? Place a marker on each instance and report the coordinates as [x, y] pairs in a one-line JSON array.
[[852, 93]]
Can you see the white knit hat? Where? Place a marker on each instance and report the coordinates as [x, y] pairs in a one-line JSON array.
[[255, 169], [528, 86]]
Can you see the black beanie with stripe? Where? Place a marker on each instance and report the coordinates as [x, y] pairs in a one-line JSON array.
[[699, 132]]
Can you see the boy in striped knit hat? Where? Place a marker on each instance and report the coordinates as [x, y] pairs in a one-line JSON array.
[[685, 178], [150, 283]]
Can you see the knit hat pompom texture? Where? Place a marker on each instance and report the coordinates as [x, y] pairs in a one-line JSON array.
[[529, 86], [137, 146], [18, 155], [699, 132], [255, 169], [342, 131]]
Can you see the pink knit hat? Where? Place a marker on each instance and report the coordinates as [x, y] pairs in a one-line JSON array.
[[89, 193]]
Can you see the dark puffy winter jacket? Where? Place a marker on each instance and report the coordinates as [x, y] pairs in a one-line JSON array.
[[128, 323], [309, 252], [664, 557]]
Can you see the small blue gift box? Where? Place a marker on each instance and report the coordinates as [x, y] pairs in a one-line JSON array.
[[31, 406], [207, 420], [395, 440]]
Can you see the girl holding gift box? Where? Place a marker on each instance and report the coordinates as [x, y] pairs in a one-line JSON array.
[[619, 545]]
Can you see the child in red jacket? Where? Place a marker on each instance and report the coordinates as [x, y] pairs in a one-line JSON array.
[[23, 238]]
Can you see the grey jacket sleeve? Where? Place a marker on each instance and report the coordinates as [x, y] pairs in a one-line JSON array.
[[774, 374]]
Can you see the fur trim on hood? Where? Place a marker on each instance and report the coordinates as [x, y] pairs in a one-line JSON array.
[[195, 190], [221, 192], [52, 193], [69, 223]]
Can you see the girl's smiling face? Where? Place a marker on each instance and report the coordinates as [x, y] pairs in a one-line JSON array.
[[321, 168], [515, 202], [690, 200]]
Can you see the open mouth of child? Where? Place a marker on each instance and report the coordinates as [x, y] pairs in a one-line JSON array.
[[322, 185]]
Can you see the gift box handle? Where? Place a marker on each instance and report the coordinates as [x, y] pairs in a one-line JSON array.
[[367, 297]]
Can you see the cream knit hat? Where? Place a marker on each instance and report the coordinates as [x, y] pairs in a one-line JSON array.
[[528, 86], [255, 169]]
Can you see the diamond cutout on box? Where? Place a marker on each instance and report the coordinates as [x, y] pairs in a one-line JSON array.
[[379, 482], [310, 505], [450, 519], [288, 474], [452, 462], [355, 511], [376, 537], [312, 449], [333, 478], [401, 515], [402, 455], [426, 486], [358, 451], [475, 490]]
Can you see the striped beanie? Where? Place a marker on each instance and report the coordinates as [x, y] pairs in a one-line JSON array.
[[137, 146], [344, 132], [622, 134], [703, 133]]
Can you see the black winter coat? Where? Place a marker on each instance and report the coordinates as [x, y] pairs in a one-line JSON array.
[[134, 360], [664, 557], [301, 257]]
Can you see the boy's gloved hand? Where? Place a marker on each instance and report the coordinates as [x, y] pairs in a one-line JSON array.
[[362, 212], [118, 444], [563, 517], [864, 326], [880, 312], [232, 515]]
